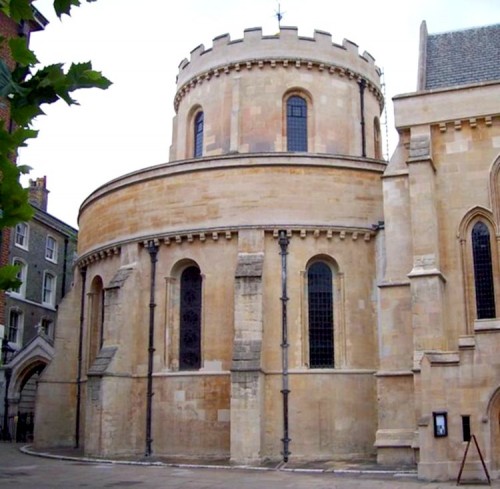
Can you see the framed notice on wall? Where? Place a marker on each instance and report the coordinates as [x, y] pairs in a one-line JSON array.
[[440, 424]]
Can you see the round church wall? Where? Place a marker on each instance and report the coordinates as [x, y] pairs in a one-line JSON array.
[[216, 220]]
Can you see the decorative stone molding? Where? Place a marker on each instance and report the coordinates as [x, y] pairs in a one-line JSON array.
[[272, 63], [98, 255], [328, 233], [204, 235], [473, 123]]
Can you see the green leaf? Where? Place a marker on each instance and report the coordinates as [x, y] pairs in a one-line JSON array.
[[8, 86], [21, 54], [81, 75], [64, 6], [8, 277], [18, 10], [14, 204], [19, 137]]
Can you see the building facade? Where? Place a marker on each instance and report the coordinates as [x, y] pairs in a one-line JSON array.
[[10, 29], [44, 249], [278, 290]]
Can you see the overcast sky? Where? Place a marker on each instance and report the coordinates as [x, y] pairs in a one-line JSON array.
[[139, 45]]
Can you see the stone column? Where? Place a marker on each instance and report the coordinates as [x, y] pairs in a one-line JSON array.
[[247, 382]]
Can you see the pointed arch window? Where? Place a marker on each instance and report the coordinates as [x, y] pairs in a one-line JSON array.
[[483, 271], [320, 309], [198, 135], [190, 319], [296, 123]]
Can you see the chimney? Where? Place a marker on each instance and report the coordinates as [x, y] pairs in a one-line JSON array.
[[38, 193]]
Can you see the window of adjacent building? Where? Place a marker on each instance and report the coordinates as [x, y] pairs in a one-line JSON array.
[[296, 123], [190, 319], [51, 249], [47, 327], [483, 271], [21, 275], [198, 135], [49, 289], [15, 326], [320, 313], [21, 236]]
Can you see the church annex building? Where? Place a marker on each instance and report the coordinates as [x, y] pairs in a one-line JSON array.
[[278, 290]]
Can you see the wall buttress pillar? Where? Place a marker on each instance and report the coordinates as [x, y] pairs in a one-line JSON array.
[[247, 379]]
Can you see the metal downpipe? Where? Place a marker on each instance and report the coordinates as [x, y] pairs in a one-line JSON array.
[[83, 273], [153, 252], [283, 242], [362, 86]]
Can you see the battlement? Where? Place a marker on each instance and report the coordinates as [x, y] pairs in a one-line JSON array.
[[286, 44]]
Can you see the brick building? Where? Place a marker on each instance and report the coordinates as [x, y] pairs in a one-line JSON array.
[[44, 249]]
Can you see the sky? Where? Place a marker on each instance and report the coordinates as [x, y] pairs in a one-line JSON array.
[[138, 45]]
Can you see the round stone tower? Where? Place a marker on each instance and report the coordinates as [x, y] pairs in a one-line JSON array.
[[273, 184]]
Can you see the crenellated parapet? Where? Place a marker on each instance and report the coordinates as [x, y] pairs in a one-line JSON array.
[[285, 50]]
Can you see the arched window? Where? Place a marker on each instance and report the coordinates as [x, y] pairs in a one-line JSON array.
[[483, 271], [198, 135], [320, 308], [377, 140], [190, 319], [296, 123], [96, 318]]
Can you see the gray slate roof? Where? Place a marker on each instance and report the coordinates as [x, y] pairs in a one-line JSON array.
[[463, 57]]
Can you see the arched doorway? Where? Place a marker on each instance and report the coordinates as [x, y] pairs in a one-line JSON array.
[[22, 410]]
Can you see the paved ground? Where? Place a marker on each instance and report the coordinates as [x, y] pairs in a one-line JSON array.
[[22, 471]]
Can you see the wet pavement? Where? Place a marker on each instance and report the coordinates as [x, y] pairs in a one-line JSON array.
[[20, 470]]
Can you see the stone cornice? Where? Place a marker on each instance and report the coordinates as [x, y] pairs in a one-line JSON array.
[[273, 63], [343, 233]]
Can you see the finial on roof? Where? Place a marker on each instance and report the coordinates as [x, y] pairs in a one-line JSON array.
[[279, 15]]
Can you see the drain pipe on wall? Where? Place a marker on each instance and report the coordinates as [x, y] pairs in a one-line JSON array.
[[283, 242], [153, 252], [362, 86], [83, 273]]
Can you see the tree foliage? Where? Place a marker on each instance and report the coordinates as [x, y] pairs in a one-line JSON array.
[[27, 88]]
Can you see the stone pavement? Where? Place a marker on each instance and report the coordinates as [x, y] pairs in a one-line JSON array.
[[20, 470]]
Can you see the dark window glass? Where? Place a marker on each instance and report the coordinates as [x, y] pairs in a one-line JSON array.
[[466, 428], [296, 124], [483, 272], [190, 320], [198, 135], [14, 326], [320, 300]]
